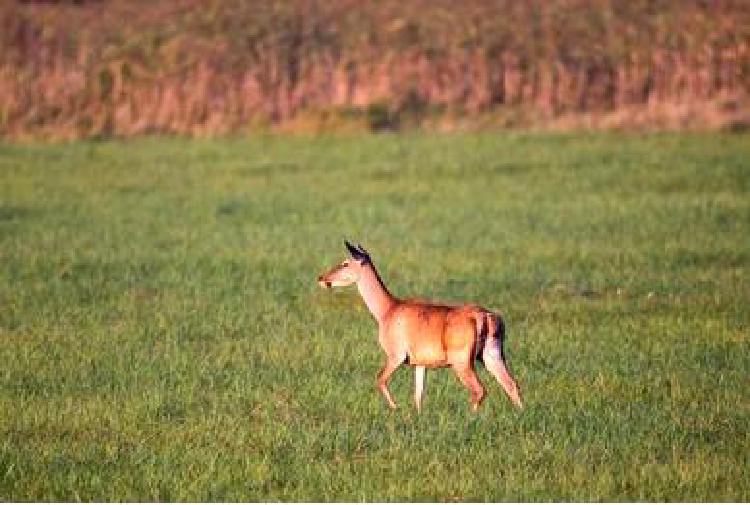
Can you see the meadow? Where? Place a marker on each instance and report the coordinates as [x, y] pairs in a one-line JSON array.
[[162, 336]]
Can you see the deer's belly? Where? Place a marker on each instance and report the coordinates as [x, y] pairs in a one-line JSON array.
[[423, 337], [429, 354]]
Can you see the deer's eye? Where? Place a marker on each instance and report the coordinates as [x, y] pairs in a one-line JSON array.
[[345, 264]]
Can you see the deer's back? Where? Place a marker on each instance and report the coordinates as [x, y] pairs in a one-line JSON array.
[[434, 334]]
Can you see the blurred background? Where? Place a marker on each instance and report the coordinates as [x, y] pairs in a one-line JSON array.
[[109, 68]]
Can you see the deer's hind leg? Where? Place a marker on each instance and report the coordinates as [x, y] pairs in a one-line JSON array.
[[494, 361], [495, 364], [469, 379]]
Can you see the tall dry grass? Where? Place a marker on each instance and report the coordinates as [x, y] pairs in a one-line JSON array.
[[78, 69]]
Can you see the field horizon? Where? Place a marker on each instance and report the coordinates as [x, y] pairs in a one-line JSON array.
[[163, 337]]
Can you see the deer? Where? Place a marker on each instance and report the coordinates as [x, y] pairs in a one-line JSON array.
[[423, 334]]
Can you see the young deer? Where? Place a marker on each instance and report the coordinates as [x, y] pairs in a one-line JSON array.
[[424, 334]]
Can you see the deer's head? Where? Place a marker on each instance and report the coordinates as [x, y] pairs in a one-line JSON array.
[[348, 271]]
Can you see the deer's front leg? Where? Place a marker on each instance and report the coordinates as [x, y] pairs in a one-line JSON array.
[[391, 364], [419, 372]]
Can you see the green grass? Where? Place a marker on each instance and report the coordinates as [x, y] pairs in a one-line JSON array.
[[162, 336]]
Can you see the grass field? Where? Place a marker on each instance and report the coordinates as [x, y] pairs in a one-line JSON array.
[[162, 336]]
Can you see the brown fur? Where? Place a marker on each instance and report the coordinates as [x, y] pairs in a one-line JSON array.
[[425, 334]]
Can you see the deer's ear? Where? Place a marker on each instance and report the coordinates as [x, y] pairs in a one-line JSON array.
[[363, 250], [358, 254], [352, 250]]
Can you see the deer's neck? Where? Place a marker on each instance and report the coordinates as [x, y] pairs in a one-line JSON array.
[[376, 296]]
